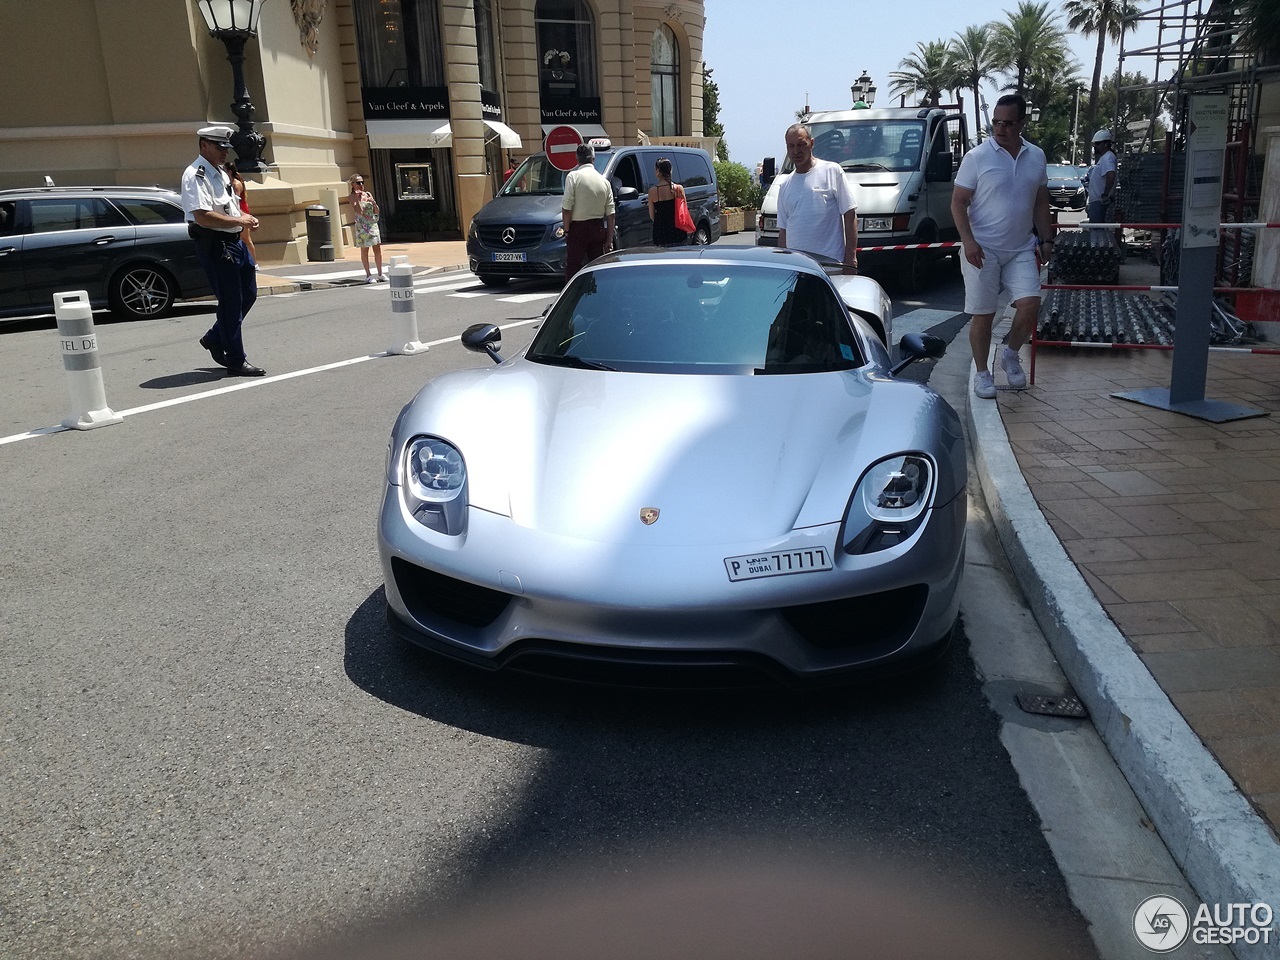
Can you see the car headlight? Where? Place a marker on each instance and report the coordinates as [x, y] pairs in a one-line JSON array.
[[557, 232], [889, 504], [435, 484]]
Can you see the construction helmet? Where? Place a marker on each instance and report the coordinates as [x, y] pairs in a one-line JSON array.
[[1101, 135]]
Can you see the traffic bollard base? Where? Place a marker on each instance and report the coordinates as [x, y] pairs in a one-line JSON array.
[[93, 418], [409, 349]]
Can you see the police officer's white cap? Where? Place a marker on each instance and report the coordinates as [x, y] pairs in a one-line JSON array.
[[1101, 135], [218, 135]]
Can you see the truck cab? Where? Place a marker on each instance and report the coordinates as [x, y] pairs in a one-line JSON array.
[[900, 165]]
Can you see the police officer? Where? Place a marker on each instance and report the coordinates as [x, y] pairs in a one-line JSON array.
[[215, 222]]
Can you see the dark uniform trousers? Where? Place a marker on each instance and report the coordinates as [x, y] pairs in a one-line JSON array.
[[232, 273], [584, 243]]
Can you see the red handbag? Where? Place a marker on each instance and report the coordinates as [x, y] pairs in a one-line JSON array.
[[683, 220]]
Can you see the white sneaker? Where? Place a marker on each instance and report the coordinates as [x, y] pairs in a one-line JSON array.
[[984, 385], [1012, 367], [370, 280]]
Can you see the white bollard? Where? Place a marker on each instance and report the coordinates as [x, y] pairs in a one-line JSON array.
[[404, 315], [80, 359]]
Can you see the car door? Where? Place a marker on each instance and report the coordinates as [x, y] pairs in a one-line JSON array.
[[13, 289], [632, 215], [73, 243]]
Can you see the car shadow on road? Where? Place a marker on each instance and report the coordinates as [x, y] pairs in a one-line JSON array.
[[906, 771]]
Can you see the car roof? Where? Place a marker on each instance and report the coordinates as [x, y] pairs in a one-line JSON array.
[[110, 191], [763, 256]]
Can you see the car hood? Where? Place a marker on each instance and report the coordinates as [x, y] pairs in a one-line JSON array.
[[579, 453], [529, 208]]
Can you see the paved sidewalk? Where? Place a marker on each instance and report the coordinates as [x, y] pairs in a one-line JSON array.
[[1148, 544], [424, 257]]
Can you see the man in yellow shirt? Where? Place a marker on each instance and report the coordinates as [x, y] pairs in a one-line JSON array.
[[588, 213]]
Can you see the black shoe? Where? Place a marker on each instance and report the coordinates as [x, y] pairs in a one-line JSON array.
[[215, 351], [245, 369]]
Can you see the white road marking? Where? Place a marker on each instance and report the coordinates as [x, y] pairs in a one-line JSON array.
[[248, 384], [526, 297], [468, 294]]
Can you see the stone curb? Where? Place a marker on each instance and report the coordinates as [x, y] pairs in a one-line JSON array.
[[1226, 851]]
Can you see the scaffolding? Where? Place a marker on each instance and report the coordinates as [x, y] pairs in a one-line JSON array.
[[1198, 49]]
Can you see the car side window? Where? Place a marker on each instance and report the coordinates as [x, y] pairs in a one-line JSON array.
[[8, 217], [694, 170], [55, 214], [144, 211], [627, 173]]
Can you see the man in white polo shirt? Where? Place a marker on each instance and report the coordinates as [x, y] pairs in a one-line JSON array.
[[816, 212], [1001, 192]]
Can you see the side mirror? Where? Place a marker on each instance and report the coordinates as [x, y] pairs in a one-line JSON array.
[[486, 337], [768, 170], [625, 193], [918, 346], [939, 168]]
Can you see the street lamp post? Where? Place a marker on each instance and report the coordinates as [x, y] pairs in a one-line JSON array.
[[234, 22], [1075, 128], [864, 92]]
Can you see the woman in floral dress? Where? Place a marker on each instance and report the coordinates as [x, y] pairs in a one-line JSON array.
[[365, 228]]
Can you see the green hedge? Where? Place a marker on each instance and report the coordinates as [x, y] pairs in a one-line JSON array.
[[736, 186]]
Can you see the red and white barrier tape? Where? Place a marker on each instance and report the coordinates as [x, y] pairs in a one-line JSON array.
[[1144, 346], [1086, 225], [910, 246], [1173, 289]]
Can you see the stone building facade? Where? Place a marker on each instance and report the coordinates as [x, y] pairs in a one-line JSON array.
[[429, 99]]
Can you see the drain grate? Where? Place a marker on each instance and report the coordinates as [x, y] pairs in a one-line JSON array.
[[1064, 706]]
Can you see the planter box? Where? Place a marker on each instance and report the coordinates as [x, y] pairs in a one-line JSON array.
[[749, 218], [731, 220]]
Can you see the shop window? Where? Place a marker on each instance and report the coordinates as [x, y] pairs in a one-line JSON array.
[[566, 51], [664, 72], [399, 43], [485, 47]]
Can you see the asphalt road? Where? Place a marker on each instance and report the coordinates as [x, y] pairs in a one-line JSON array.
[[213, 747]]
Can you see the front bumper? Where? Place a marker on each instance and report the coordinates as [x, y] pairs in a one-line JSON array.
[[503, 595]]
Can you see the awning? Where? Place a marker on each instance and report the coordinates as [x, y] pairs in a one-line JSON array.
[[509, 139], [408, 134], [588, 130]]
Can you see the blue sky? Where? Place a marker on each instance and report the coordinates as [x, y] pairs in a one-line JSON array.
[[766, 54]]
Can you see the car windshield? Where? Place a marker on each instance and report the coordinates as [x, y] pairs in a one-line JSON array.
[[682, 317], [1064, 171], [536, 176], [867, 144]]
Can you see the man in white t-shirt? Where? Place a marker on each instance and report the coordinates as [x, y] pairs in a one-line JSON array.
[[1102, 178], [816, 212], [1001, 191]]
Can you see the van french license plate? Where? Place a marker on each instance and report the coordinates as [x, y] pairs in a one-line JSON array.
[[508, 258], [777, 564]]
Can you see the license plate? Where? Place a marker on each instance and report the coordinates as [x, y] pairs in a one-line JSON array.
[[508, 258], [777, 564]]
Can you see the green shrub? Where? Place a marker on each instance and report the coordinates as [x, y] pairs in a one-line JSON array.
[[736, 187]]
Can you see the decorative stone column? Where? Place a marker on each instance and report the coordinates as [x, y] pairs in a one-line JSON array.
[[466, 119]]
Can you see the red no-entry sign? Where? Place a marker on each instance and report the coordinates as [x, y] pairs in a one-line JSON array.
[[561, 147]]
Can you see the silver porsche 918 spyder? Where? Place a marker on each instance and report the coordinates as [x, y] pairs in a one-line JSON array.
[[704, 460]]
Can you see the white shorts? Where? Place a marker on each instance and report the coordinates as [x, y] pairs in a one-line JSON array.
[[1016, 272]]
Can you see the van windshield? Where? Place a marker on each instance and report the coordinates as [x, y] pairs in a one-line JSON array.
[[537, 177], [867, 144]]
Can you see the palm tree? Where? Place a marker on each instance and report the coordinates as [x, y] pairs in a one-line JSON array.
[[1106, 18], [972, 57], [1031, 37], [925, 72]]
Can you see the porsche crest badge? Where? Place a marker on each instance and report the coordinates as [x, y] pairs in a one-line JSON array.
[[648, 515]]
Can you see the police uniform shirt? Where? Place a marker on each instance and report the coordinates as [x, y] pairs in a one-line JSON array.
[[205, 187]]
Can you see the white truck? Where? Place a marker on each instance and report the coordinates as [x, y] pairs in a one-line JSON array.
[[900, 164]]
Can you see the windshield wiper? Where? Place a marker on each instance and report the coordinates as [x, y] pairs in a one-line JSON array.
[[864, 166], [567, 360]]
